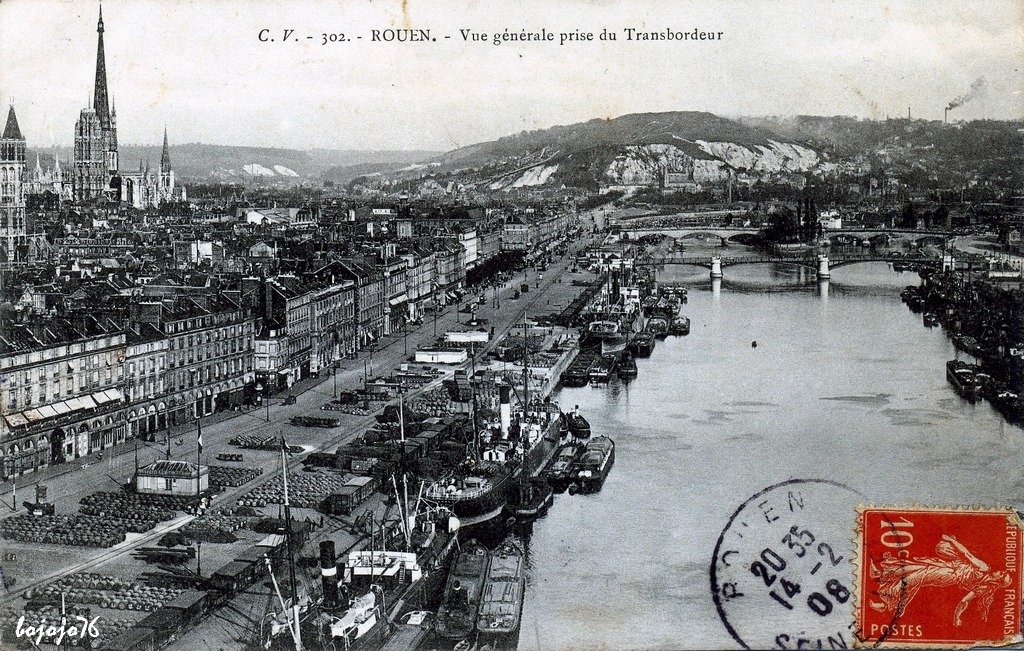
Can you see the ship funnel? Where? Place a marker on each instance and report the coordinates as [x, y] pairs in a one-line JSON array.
[[329, 573], [506, 409]]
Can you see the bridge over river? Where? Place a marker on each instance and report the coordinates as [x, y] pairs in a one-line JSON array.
[[740, 233], [822, 264]]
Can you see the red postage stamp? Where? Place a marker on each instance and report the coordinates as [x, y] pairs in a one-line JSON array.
[[938, 577]]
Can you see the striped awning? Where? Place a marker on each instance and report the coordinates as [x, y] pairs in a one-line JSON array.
[[63, 407]]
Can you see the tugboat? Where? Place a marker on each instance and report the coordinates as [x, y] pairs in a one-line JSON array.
[[578, 425], [627, 368], [643, 344], [593, 466], [600, 330], [476, 493], [501, 603], [456, 619], [680, 326]]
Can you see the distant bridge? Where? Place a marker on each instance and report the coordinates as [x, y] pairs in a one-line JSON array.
[[822, 264], [727, 233]]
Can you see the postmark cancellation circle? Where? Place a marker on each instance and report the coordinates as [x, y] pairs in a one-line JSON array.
[[782, 568]]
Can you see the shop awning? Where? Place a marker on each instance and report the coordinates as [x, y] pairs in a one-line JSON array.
[[16, 420], [398, 300], [103, 397]]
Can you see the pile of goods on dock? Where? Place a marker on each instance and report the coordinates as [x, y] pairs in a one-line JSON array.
[[307, 490], [249, 442], [105, 591], [77, 530], [230, 476], [160, 501], [125, 506], [215, 528], [345, 408], [433, 403]]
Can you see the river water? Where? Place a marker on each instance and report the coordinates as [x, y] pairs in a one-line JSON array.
[[845, 384]]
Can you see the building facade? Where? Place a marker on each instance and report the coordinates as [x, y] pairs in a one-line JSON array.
[[61, 392]]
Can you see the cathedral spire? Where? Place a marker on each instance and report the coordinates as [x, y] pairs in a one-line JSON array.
[[12, 131], [100, 89], [165, 157]]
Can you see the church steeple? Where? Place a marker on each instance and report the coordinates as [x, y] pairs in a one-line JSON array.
[[165, 157], [100, 91], [11, 130]]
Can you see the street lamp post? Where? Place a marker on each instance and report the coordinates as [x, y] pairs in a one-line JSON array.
[[265, 395]]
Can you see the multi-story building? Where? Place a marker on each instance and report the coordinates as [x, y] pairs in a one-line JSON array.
[[333, 314], [145, 371], [517, 234], [488, 244], [209, 354], [61, 391], [270, 360], [287, 305], [419, 280], [369, 296], [394, 270], [449, 267], [469, 240]]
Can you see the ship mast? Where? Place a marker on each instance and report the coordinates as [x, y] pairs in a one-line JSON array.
[[296, 634], [523, 428], [477, 453]]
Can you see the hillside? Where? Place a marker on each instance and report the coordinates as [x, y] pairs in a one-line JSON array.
[[202, 162], [627, 150]]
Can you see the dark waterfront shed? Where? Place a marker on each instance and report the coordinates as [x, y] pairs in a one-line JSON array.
[[190, 604]]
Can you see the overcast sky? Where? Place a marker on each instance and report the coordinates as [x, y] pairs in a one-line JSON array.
[[199, 66]]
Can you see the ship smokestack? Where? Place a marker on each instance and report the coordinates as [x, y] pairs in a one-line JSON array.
[[505, 408], [329, 573]]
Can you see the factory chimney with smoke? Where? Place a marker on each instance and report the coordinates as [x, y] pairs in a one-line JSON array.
[[977, 90]]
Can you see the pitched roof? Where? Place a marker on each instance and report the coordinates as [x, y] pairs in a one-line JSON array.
[[12, 131]]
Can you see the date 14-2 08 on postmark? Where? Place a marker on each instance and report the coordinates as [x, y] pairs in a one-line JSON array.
[[938, 577]]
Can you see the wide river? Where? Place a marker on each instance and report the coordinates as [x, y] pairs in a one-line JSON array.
[[845, 384]]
